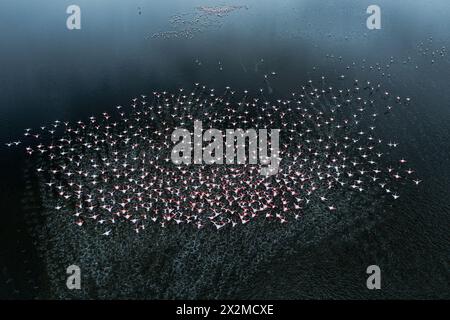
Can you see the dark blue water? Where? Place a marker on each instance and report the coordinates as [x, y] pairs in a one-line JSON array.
[[48, 72]]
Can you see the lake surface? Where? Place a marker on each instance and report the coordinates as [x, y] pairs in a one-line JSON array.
[[128, 48]]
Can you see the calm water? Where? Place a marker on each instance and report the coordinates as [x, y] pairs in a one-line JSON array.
[[48, 72]]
